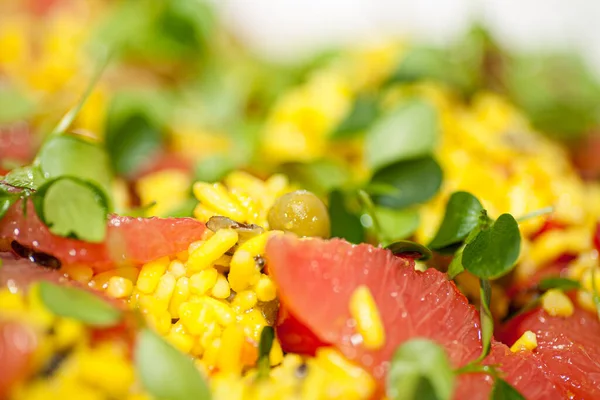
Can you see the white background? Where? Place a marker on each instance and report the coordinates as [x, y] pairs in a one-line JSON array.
[[285, 28]]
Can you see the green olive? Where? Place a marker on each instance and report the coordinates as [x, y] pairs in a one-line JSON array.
[[300, 212]]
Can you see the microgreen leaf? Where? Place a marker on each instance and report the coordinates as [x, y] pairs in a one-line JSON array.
[[134, 130], [70, 116], [165, 372], [29, 177], [344, 223], [503, 390], [71, 207], [416, 180], [558, 283], [494, 251], [461, 217], [456, 266], [72, 302], [65, 155], [7, 199], [213, 168], [14, 105], [420, 370], [407, 132], [320, 176], [363, 113], [595, 294], [396, 224], [487, 320], [267, 336], [409, 248]]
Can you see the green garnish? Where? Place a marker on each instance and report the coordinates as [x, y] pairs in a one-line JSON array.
[[363, 114], [27, 178], [72, 207], [65, 155], [416, 181], [564, 284], [461, 217], [78, 304], [407, 132], [503, 390], [165, 372], [408, 247], [344, 223], [134, 130], [396, 224], [267, 336], [320, 176], [494, 251], [420, 370], [487, 320], [595, 295]]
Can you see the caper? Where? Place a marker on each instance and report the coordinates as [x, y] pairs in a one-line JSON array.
[[300, 212]]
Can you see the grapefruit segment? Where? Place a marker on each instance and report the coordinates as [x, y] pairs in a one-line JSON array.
[[316, 279], [129, 240], [568, 349]]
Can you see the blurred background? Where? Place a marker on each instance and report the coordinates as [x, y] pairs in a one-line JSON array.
[[202, 88]]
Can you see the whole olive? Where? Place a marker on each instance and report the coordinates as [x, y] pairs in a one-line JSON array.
[[300, 212]]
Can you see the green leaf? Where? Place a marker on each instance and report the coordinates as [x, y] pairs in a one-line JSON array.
[[134, 130], [416, 180], [396, 224], [72, 302], [420, 370], [487, 320], [14, 105], [494, 251], [29, 177], [6, 201], [407, 132], [421, 63], [363, 114], [456, 266], [70, 116], [185, 209], [71, 207], [320, 176], [344, 223], [70, 156], [165, 372], [564, 111], [503, 390], [461, 217], [558, 283], [408, 248], [213, 168], [267, 336]]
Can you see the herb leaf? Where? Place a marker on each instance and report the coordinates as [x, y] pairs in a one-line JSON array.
[[462, 216], [407, 247], [165, 372], [267, 336], [29, 177], [408, 132], [416, 180], [558, 283], [363, 113], [320, 176], [71, 207], [487, 320], [420, 369], [344, 223], [79, 304], [494, 251], [134, 130], [396, 224], [503, 390], [70, 156], [456, 266]]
